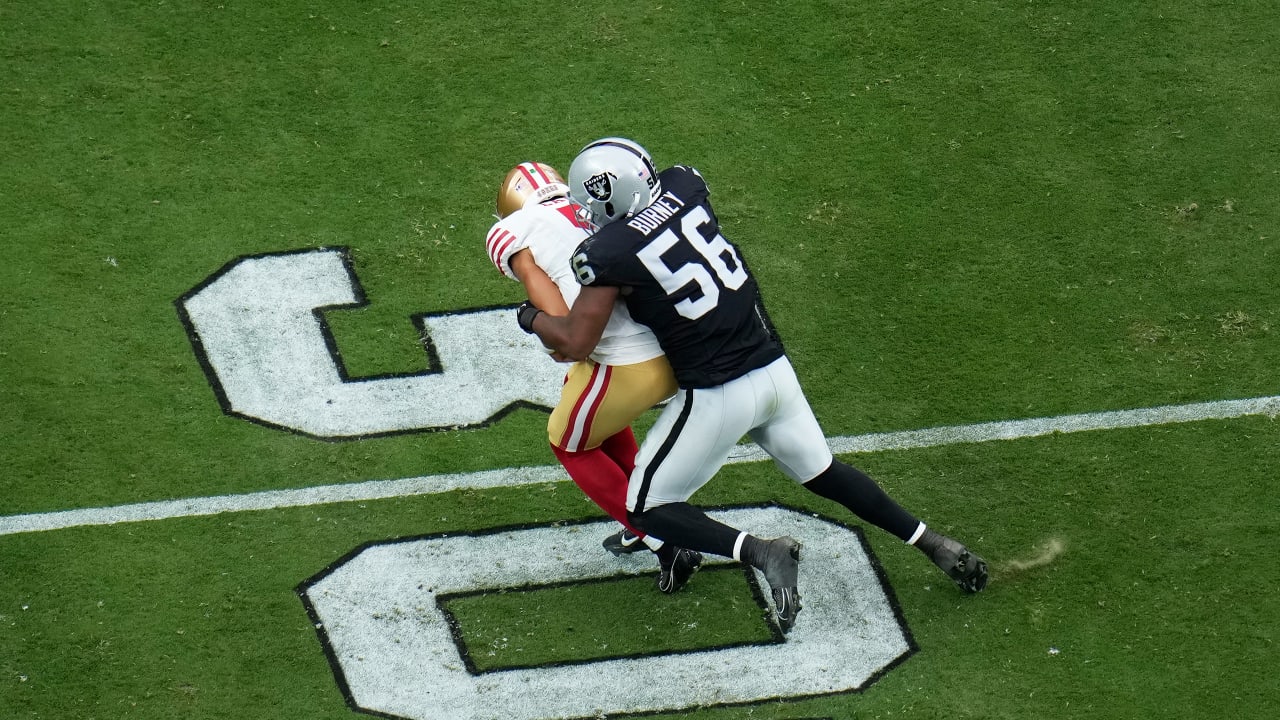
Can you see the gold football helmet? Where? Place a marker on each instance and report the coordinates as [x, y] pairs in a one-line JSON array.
[[529, 182]]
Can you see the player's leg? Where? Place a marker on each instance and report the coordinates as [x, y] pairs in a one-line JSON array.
[[681, 452], [852, 488], [792, 436], [634, 389], [600, 478], [600, 401], [622, 448], [569, 429], [794, 439], [605, 483], [591, 436], [590, 432]]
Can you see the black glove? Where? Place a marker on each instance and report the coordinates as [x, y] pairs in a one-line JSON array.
[[525, 315]]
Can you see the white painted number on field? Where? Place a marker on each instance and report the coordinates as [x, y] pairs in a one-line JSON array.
[[258, 326], [392, 644]]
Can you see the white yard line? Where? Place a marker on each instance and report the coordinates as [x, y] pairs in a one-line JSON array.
[[431, 484]]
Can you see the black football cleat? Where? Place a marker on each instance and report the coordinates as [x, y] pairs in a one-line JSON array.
[[781, 567], [966, 570], [675, 574], [623, 542]]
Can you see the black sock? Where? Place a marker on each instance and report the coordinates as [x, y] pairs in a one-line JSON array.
[[928, 542], [683, 525], [753, 551], [666, 554], [852, 488]]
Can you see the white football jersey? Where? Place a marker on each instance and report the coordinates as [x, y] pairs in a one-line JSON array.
[[551, 233]]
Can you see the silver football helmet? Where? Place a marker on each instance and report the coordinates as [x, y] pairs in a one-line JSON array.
[[612, 179]]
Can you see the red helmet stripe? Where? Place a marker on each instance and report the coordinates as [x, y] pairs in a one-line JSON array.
[[537, 182], [546, 179]]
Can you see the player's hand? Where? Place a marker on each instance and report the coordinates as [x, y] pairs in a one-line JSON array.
[[525, 315]]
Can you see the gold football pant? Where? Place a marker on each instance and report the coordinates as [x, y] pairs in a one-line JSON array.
[[598, 401]]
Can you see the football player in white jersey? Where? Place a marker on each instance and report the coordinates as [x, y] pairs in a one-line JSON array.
[[659, 247], [625, 375]]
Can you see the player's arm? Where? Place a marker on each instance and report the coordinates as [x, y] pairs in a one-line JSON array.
[[575, 335], [542, 290]]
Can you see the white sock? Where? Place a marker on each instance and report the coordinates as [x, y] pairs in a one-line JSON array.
[[737, 546], [918, 533]]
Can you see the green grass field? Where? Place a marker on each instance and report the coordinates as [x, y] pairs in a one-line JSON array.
[[979, 212]]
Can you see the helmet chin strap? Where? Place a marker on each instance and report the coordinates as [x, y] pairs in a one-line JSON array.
[[636, 199]]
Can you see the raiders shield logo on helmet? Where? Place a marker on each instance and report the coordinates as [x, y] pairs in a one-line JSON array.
[[600, 186]]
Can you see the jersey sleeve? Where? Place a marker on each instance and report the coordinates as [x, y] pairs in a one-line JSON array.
[[596, 261], [506, 238]]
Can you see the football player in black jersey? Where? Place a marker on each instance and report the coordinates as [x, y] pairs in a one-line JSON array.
[[658, 245]]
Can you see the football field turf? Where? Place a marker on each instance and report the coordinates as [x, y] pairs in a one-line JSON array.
[[1023, 256]]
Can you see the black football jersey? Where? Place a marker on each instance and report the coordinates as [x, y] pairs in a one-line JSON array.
[[683, 279]]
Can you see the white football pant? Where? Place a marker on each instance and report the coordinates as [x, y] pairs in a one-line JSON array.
[[696, 431]]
